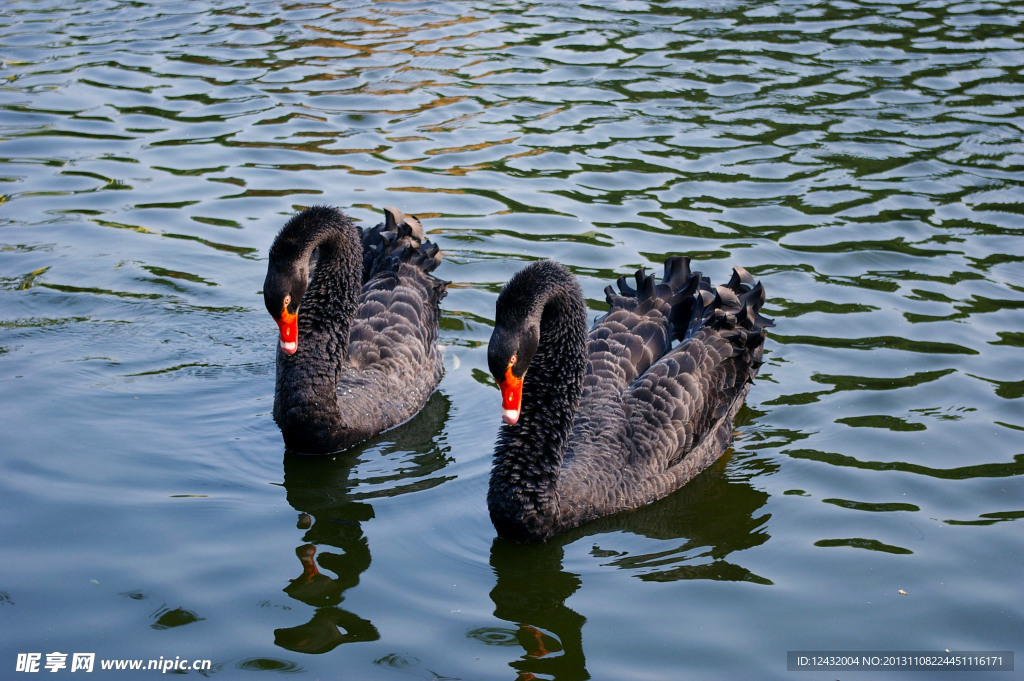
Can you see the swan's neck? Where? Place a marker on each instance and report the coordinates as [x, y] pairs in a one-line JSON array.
[[329, 305], [523, 496]]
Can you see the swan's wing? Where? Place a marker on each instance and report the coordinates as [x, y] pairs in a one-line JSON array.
[[396, 325], [680, 411], [399, 238], [639, 326], [393, 357]]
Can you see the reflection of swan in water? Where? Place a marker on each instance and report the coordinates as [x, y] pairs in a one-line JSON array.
[[530, 593], [714, 516], [325, 631], [332, 512], [709, 518]]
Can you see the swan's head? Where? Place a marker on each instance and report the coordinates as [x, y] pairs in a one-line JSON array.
[[517, 321], [508, 356], [282, 293]]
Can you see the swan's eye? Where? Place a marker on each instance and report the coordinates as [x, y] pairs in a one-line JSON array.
[[287, 301], [513, 359]]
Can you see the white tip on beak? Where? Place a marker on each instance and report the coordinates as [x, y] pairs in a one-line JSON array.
[[288, 348], [510, 416]]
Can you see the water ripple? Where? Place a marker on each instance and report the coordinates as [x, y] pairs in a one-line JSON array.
[[865, 160]]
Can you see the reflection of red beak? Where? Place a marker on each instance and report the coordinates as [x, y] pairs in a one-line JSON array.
[[289, 325], [511, 397]]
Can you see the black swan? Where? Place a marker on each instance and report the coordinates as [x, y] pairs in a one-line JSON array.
[[358, 348], [615, 418]]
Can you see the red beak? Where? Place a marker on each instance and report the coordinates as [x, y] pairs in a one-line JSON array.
[[511, 397], [289, 325]]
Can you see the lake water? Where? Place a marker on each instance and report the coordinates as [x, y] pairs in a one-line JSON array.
[[863, 159]]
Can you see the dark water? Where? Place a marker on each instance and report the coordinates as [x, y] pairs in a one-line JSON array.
[[864, 159]]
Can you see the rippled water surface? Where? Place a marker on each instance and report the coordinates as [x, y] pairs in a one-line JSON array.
[[864, 160]]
